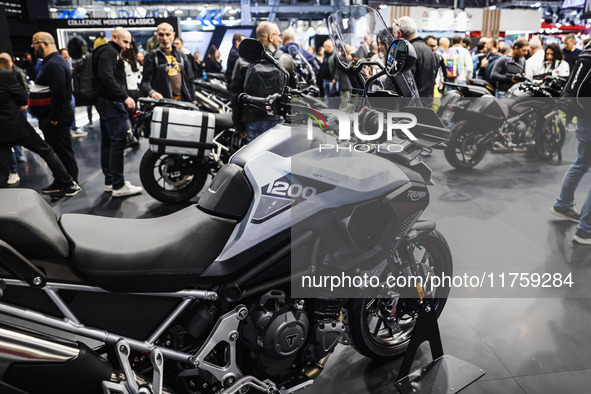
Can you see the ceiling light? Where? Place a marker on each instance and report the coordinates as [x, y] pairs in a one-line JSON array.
[[53, 9], [178, 12], [107, 9]]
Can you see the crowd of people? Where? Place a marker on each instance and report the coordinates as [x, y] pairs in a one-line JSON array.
[[123, 74]]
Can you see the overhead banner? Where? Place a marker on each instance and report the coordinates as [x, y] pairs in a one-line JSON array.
[[438, 19], [521, 20], [106, 23], [469, 19]]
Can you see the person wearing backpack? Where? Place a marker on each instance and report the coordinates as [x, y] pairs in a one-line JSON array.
[[289, 41], [112, 104], [260, 79], [458, 62], [167, 71]]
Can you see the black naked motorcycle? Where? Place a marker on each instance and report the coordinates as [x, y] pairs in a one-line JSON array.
[[204, 300], [186, 146], [527, 118], [458, 97]]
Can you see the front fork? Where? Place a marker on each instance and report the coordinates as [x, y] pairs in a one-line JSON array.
[[402, 260]]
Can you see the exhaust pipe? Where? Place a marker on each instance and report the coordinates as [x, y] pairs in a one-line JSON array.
[[17, 346]]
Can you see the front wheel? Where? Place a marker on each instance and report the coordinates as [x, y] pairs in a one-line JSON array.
[[549, 140], [171, 178], [381, 328], [463, 151]]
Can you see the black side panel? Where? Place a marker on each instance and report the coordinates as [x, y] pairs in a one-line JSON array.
[[6, 389], [123, 314], [229, 195], [82, 374]]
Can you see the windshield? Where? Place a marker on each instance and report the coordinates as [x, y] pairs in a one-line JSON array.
[[351, 27]]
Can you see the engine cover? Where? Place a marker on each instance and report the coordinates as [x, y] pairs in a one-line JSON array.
[[274, 332]]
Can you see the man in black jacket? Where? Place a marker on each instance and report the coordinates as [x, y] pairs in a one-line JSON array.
[[50, 102], [16, 130], [260, 79], [425, 67], [167, 72], [112, 104], [505, 69], [233, 56]]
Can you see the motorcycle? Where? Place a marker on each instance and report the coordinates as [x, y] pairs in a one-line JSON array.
[[458, 97], [213, 95], [526, 118], [186, 146], [201, 300]]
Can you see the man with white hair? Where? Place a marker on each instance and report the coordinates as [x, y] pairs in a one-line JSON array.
[[364, 51], [425, 67], [535, 64]]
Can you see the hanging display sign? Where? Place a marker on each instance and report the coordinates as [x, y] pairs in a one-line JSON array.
[[437, 19], [106, 23]]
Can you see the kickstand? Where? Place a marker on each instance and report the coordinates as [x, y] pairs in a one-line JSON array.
[[426, 329], [445, 373]]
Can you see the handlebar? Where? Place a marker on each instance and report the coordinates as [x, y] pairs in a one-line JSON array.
[[275, 104]]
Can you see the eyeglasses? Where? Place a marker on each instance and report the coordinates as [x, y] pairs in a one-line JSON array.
[[280, 35], [37, 42]]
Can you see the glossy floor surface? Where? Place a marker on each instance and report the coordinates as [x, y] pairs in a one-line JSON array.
[[496, 219]]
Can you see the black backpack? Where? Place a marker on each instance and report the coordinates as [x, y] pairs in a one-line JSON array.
[[263, 79], [85, 87]]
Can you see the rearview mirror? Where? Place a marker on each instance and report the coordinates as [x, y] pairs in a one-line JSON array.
[[400, 58], [251, 50]]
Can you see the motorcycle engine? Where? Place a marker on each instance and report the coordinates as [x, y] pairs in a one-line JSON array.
[[522, 132], [274, 332]]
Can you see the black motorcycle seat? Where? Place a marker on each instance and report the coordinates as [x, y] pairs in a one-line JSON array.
[[479, 82], [145, 255], [164, 102], [29, 225], [213, 87], [223, 121]]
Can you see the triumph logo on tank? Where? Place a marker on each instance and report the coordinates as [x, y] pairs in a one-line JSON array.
[[416, 195], [395, 122]]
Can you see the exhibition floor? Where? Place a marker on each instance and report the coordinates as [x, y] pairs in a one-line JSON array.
[[495, 218]]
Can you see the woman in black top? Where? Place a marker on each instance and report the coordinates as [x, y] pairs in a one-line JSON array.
[[213, 63]]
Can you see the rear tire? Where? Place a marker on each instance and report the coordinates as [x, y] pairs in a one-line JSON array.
[[461, 151], [157, 173], [359, 314], [550, 140]]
